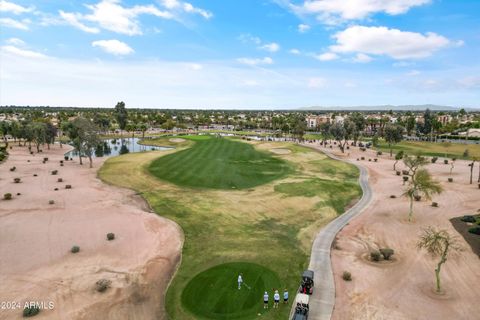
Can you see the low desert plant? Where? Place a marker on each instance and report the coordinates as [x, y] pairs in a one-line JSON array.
[[398, 173], [17, 180], [376, 160], [375, 256], [468, 218], [66, 158], [19, 194], [51, 202], [405, 178], [75, 249], [110, 236], [393, 196], [370, 160], [387, 253], [56, 189], [445, 161], [347, 276], [102, 285], [434, 159], [30, 311], [435, 204], [450, 179], [59, 180], [13, 169], [61, 161], [7, 196], [379, 153], [35, 175], [362, 158], [417, 197], [405, 172], [474, 230], [45, 159], [363, 149], [54, 172], [68, 186]]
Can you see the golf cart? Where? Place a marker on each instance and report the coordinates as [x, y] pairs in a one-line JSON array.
[[301, 307], [307, 282]]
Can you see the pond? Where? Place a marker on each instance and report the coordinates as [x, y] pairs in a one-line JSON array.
[[115, 147]]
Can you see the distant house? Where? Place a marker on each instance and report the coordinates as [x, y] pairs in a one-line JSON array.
[[315, 121], [473, 132]]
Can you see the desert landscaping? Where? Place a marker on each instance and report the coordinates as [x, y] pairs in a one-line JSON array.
[[54, 244], [404, 286]]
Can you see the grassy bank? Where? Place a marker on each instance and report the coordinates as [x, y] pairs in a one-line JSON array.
[[270, 224], [432, 149]]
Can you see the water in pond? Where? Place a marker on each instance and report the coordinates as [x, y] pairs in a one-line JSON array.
[[115, 147]]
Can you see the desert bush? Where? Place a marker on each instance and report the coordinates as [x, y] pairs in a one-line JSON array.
[[417, 197], [54, 172], [468, 218], [393, 196], [68, 186], [474, 230], [375, 256], [61, 161], [347, 276], [51, 202], [363, 149], [405, 178], [13, 169], [445, 161], [75, 249], [7, 196], [358, 159], [59, 180], [56, 189], [450, 179], [466, 153], [45, 159], [387, 253], [18, 194], [66, 158], [61, 164], [30, 311], [17, 180], [102, 285], [370, 160], [379, 153], [398, 173], [434, 204], [110, 236], [434, 159], [362, 158], [35, 175], [405, 172], [375, 159]]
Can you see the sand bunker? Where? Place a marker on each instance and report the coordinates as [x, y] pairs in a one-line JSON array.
[[281, 151], [177, 140], [36, 238]]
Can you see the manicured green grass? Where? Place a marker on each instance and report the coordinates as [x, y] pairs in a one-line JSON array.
[[219, 163], [431, 149], [267, 226], [214, 293]]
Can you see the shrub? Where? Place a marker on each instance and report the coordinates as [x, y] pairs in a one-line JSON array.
[[445, 161], [102, 285], [405, 178], [35, 175], [54, 172], [450, 179], [19, 194], [110, 236], [362, 158], [61, 164], [417, 197], [31, 311], [387, 253], [61, 161], [466, 153], [45, 159], [434, 204], [75, 249], [51, 202], [68, 186], [13, 169], [375, 256], [347, 276], [474, 230], [434, 159], [59, 180], [17, 180], [56, 189], [379, 153], [398, 173], [363, 149], [7, 196], [66, 158], [375, 159], [468, 218], [393, 196], [405, 172], [370, 160]]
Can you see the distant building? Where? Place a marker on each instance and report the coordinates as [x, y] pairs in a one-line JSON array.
[[444, 119], [315, 121]]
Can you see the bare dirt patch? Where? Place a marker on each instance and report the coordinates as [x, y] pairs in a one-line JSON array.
[[281, 151], [177, 140]]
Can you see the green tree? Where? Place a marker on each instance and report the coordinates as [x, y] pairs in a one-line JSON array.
[[410, 125], [84, 136], [421, 183], [393, 134], [39, 133], [439, 244], [398, 157], [121, 115], [142, 127]]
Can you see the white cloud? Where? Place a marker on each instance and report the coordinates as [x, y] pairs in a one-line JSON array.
[[6, 6], [255, 62], [413, 73], [15, 42], [195, 66], [362, 58], [248, 38], [316, 82], [295, 51], [15, 24], [470, 82], [22, 52], [271, 47], [335, 11], [176, 5], [327, 56], [391, 42], [113, 46], [302, 28], [73, 19]]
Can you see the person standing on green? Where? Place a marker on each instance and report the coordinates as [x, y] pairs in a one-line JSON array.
[[265, 300]]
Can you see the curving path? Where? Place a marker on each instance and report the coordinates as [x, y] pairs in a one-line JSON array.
[[322, 300]]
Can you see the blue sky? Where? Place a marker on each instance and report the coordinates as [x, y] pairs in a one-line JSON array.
[[240, 54]]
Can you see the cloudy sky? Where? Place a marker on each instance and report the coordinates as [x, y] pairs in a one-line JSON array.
[[239, 54]]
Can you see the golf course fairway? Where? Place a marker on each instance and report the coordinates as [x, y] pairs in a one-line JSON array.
[[214, 293], [269, 218]]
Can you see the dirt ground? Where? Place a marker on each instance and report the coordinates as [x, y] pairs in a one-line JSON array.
[[404, 288], [177, 140], [36, 237]]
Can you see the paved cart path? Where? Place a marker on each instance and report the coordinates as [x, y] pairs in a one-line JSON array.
[[322, 300]]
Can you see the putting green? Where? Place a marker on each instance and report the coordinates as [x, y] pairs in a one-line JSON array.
[[214, 293], [219, 163]]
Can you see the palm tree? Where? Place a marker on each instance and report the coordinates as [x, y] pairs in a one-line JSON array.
[[438, 243], [421, 183]]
